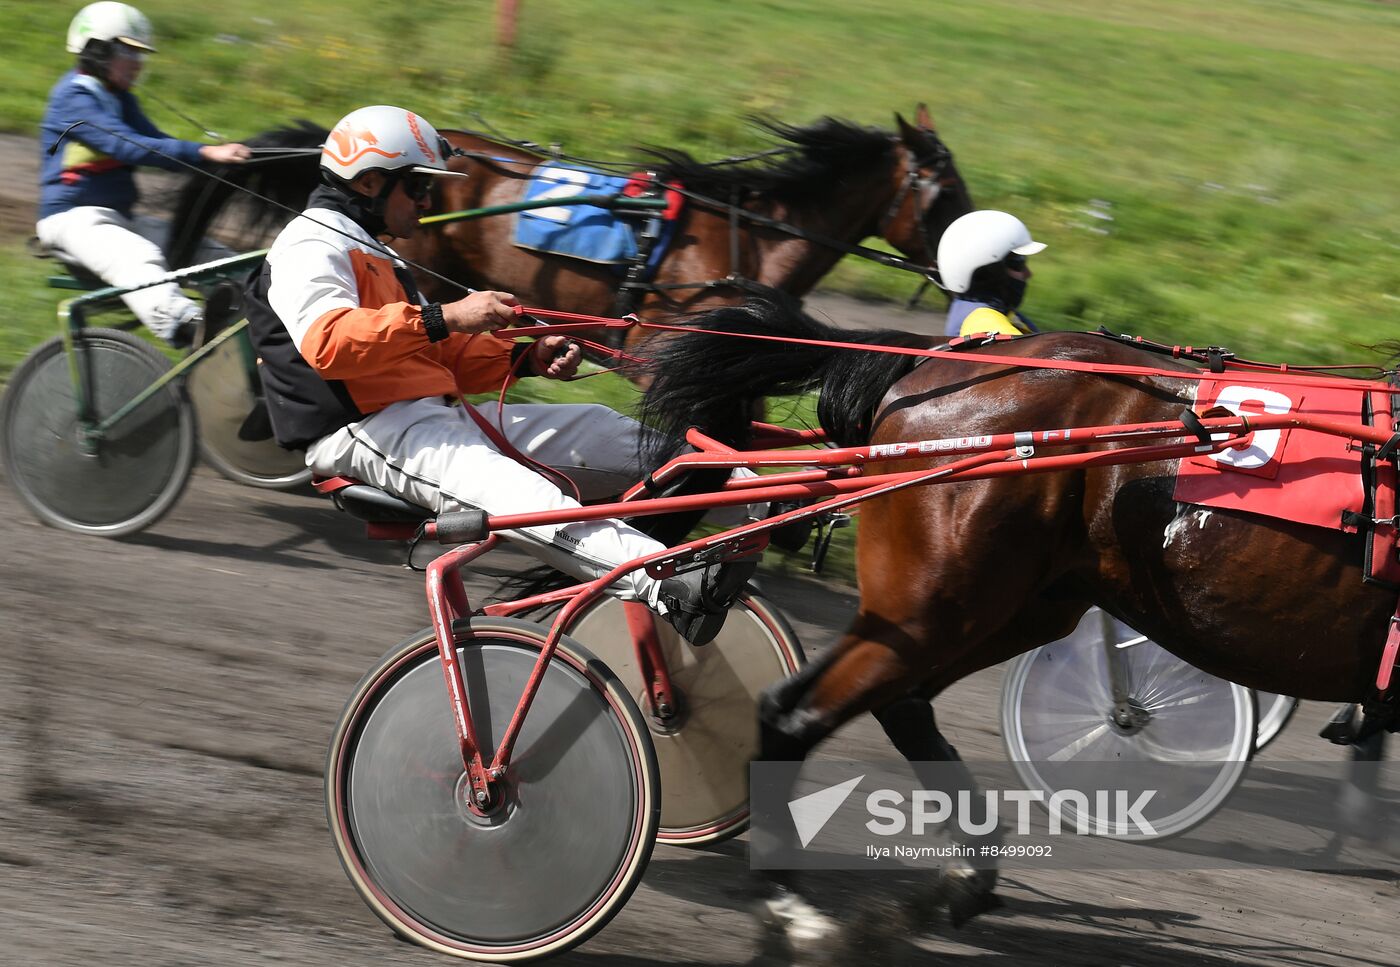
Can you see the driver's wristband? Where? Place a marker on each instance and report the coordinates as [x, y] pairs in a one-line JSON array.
[[433, 322]]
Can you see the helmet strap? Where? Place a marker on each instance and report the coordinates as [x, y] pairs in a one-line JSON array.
[[391, 181], [367, 210], [95, 59]]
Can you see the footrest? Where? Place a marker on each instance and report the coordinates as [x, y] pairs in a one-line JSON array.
[[79, 277], [69, 282], [374, 505]]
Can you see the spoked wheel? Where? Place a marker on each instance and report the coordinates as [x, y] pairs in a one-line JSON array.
[[1059, 711], [221, 387], [1274, 713], [704, 745], [571, 836], [139, 467]]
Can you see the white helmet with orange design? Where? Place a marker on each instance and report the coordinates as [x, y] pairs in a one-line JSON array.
[[384, 138]]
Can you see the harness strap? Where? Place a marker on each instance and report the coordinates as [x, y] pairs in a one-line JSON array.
[[1389, 448], [1392, 649], [1192, 422], [499, 441]]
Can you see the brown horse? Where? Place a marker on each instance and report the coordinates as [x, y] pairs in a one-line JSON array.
[[782, 219], [957, 577]]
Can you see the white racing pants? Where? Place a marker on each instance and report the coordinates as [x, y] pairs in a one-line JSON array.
[[124, 252], [433, 453]]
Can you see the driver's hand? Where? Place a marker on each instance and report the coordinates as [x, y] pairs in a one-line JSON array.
[[484, 311], [226, 154], [555, 357]]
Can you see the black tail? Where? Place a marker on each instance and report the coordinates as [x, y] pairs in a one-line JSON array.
[[711, 381], [287, 180]]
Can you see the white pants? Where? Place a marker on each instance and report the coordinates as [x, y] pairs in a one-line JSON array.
[[125, 252], [434, 454]]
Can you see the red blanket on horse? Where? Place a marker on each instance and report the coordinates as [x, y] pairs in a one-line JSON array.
[[1298, 475]]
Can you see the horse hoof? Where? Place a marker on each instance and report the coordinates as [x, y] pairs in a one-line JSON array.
[[966, 899], [801, 929]]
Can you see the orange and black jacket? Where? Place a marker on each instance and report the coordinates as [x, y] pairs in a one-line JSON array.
[[338, 325]]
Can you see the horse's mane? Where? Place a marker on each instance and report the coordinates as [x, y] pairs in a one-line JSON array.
[[823, 153], [286, 180], [817, 156], [707, 379]]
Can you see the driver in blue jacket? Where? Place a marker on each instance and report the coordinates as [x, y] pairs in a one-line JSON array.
[[86, 183]]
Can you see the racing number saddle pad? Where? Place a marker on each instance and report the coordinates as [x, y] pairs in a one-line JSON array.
[[1293, 474]]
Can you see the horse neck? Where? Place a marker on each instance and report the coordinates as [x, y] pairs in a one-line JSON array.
[[795, 264]]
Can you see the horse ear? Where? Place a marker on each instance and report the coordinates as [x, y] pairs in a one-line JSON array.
[[906, 132], [923, 119]]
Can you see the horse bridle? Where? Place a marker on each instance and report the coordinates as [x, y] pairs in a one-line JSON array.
[[925, 188], [937, 160], [915, 183]]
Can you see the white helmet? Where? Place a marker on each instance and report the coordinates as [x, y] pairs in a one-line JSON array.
[[977, 239], [384, 138], [110, 22]]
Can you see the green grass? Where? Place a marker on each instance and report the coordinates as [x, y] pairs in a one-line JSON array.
[[1203, 172]]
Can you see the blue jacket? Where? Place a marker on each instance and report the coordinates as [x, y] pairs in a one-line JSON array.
[[94, 167]]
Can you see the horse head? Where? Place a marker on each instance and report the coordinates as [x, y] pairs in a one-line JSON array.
[[931, 193]]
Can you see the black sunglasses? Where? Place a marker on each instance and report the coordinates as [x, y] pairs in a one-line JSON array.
[[1014, 261], [416, 185]]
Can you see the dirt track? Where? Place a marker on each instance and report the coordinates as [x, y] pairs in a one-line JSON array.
[[167, 701]]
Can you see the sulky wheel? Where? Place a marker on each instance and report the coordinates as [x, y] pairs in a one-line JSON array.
[[1274, 712], [130, 476], [221, 388], [1060, 715], [704, 748], [573, 831]]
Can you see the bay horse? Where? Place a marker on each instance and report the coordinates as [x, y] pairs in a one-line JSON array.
[[780, 219], [957, 577]]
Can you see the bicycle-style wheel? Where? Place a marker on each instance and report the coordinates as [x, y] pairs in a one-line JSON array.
[[221, 387], [1274, 712], [1059, 714], [704, 749], [139, 467], [575, 827]]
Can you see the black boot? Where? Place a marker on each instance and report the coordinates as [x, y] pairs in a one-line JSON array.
[[697, 602]]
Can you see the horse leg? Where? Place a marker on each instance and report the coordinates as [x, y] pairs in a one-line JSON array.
[[871, 667], [1358, 800], [912, 727], [788, 730]]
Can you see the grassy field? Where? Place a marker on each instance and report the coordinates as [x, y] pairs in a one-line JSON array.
[[1203, 171]]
